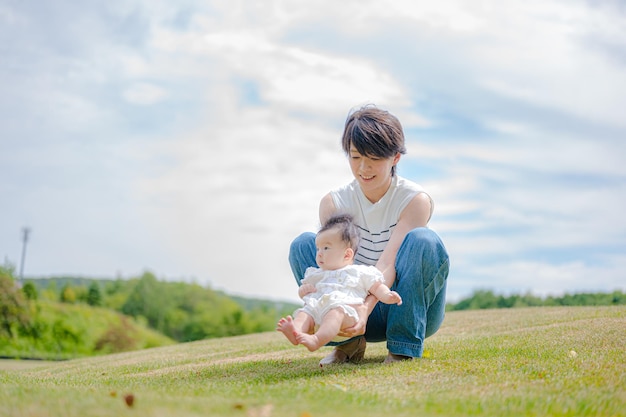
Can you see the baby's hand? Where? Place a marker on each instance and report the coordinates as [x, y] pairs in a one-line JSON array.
[[306, 289]]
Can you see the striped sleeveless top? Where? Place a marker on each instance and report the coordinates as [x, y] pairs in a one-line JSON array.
[[376, 221]]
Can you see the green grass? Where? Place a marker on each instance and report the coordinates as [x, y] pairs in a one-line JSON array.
[[521, 362]]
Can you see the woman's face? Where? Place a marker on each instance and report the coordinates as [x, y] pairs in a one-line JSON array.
[[372, 173]]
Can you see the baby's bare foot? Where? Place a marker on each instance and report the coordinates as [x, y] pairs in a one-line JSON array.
[[392, 297], [395, 298], [285, 325], [309, 340]]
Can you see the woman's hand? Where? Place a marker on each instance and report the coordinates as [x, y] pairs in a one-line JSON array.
[[359, 327]]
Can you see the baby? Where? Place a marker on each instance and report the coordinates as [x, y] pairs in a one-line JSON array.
[[330, 291]]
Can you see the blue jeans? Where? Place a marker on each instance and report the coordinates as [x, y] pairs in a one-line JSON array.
[[421, 277]]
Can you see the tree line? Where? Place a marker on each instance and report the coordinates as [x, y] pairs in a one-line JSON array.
[[484, 299]]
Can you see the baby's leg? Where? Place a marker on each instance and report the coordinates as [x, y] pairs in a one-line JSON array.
[[391, 297], [291, 327], [384, 294], [335, 320]]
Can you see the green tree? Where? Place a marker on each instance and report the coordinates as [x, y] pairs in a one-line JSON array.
[[150, 300], [94, 296], [480, 299], [68, 295], [30, 291], [14, 311]]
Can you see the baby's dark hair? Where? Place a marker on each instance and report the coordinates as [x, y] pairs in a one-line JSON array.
[[347, 228]]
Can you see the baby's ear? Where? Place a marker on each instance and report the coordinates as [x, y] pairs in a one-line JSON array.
[[349, 254]]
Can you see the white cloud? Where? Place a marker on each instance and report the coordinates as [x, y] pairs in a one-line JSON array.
[[144, 94], [292, 77], [539, 56]]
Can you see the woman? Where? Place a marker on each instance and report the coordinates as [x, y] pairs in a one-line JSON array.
[[392, 214]]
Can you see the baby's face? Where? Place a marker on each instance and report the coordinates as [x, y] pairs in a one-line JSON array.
[[331, 250]]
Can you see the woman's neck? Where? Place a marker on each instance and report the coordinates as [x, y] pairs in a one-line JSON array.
[[376, 194]]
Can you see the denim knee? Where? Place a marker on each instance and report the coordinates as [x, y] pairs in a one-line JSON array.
[[423, 236], [434, 260], [304, 239], [302, 254]]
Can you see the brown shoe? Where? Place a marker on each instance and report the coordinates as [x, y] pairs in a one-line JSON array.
[[391, 358], [348, 352]]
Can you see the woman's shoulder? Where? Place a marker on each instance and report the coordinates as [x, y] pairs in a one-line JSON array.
[[411, 193], [408, 185], [406, 190], [348, 188], [345, 196]]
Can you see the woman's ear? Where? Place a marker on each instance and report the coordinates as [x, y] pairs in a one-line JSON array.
[[396, 158]]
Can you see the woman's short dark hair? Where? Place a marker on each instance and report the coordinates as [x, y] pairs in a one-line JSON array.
[[373, 132], [348, 230]]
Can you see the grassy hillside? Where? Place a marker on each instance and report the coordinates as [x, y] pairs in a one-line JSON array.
[[562, 361], [63, 331]]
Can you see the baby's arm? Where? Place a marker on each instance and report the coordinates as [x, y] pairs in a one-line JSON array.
[[312, 276], [384, 294], [306, 289]]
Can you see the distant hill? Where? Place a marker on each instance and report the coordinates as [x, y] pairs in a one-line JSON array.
[[182, 311]]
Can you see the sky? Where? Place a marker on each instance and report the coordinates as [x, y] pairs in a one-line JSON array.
[[194, 140]]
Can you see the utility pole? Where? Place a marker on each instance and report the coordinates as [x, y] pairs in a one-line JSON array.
[[25, 232]]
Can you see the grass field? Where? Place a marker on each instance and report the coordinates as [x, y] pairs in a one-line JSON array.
[[519, 362]]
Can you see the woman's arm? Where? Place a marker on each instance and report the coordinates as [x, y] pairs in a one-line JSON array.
[[327, 208], [415, 214]]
